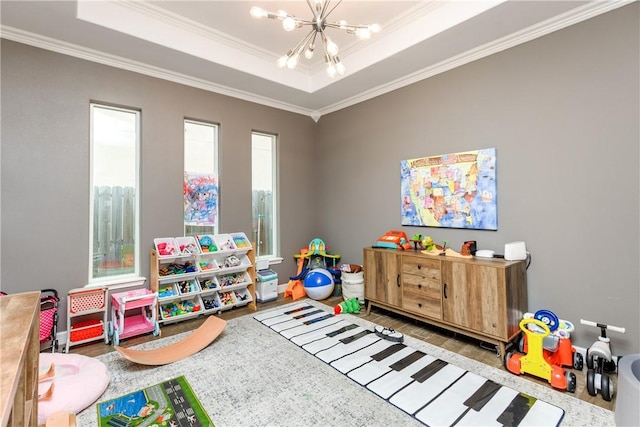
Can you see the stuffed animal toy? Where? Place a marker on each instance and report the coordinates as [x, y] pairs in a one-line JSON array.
[[351, 305]]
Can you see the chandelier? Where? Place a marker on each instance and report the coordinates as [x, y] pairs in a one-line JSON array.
[[321, 10]]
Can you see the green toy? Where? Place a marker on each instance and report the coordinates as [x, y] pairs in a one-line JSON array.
[[351, 305], [428, 243]]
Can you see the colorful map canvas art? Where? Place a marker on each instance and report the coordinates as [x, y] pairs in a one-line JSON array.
[[456, 190]]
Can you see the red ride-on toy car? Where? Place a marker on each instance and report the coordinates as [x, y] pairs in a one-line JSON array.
[[558, 350], [534, 362]]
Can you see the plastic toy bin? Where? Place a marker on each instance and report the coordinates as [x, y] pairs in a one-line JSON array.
[[88, 329], [241, 241], [181, 309], [187, 245], [208, 283], [166, 247], [169, 291], [207, 243], [242, 297], [226, 300], [188, 287], [234, 280]]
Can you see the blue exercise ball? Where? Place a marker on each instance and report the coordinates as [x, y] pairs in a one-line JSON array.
[[318, 283]]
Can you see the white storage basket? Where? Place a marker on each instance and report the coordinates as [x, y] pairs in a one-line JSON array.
[[353, 285]]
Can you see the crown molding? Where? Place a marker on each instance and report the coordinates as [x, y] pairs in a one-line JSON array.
[[92, 55], [543, 28], [559, 22]]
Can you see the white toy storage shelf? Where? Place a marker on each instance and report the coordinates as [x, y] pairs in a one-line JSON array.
[[206, 274]]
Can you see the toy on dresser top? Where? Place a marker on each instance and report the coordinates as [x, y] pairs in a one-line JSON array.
[[431, 248]]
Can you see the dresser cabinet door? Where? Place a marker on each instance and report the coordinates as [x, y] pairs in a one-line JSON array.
[[474, 297], [382, 276]]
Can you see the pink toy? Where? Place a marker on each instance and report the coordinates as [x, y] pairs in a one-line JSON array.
[[125, 326], [165, 249], [73, 381]]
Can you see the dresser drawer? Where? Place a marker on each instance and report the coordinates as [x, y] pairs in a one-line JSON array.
[[422, 295], [420, 266]]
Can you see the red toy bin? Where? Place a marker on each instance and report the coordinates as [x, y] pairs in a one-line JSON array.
[[86, 330]]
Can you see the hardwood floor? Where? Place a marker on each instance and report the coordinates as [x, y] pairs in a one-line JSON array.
[[474, 349]]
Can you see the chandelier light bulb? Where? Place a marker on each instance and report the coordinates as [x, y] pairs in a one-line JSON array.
[[282, 61], [258, 12], [309, 52], [289, 23], [331, 70], [374, 28], [293, 61], [332, 48], [363, 33], [340, 68]]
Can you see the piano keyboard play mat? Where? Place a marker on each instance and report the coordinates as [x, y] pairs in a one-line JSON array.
[[431, 390]]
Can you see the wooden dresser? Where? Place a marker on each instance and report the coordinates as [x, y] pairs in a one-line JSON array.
[[19, 357], [481, 298]]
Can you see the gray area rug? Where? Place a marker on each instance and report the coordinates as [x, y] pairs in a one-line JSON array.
[[251, 376]]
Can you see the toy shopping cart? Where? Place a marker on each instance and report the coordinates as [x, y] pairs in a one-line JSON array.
[[49, 319], [133, 313]]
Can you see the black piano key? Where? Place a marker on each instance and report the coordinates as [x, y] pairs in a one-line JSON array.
[[431, 369], [307, 314], [341, 330], [318, 319], [517, 410], [482, 395], [295, 310], [388, 352], [403, 363], [357, 336]]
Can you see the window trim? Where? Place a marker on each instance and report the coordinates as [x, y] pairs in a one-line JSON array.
[[134, 277], [274, 258], [216, 162]]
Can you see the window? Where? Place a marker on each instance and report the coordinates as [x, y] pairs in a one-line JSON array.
[[264, 202], [200, 178], [114, 210]]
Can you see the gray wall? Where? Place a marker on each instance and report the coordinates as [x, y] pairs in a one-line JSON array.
[[45, 164], [562, 111]]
